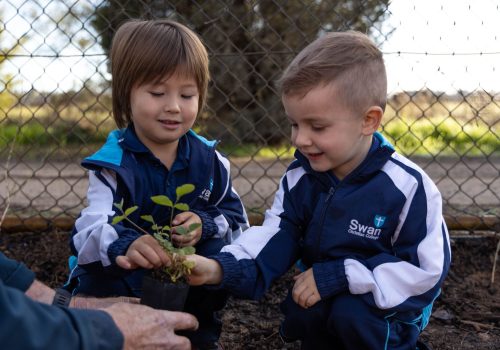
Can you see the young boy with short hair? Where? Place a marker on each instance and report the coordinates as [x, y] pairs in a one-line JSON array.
[[365, 222]]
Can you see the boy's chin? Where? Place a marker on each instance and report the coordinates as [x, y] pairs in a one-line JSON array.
[[321, 168]]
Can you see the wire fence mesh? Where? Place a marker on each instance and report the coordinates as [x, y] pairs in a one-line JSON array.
[[443, 107]]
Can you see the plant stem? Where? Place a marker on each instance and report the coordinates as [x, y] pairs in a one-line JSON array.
[[171, 220], [136, 226]]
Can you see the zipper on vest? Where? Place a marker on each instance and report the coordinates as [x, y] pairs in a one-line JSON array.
[[331, 192]]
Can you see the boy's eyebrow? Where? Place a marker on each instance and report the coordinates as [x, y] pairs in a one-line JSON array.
[[307, 119], [187, 85]]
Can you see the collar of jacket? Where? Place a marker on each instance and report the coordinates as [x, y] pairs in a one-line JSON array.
[[130, 142], [380, 151]]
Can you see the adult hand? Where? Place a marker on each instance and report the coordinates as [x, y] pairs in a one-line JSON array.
[[144, 252], [146, 328], [186, 219], [84, 302], [305, 292]]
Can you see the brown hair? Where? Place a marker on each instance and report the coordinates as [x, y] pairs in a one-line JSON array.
[[148, 51], [350, 59]]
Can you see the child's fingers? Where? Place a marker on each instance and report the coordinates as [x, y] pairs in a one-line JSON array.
[[189, 239], [159, 256], [184, 240], [298, 289], [181, 218], [125, 263], [313, 299], [139, 259], [154, 254]]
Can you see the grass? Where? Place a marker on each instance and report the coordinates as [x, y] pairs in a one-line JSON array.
[[415, 126]]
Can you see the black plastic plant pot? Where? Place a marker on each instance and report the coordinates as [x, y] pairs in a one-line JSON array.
[[164, 295]]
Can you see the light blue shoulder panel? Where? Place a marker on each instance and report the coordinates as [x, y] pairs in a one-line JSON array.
[[110, 152]]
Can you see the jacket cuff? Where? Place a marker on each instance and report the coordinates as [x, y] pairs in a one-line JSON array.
[[15, 274], [96, 328], [231, 270], [208, 225], [330, 278], [120, 246]]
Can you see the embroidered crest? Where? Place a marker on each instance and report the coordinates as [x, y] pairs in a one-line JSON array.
[[378, 221]]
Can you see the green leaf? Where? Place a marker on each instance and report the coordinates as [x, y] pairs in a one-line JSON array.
[[168, 245], [162, 200], [189, 264], [165, 228], [117, 219], [188, 250], [194, 226], [119, 205], [158, 237], [182, 206], [183, 190], [148, 218], [155, 227], [131, 210], [181, 230]]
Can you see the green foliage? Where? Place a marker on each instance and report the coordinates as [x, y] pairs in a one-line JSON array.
[[252, 41], [179, 266], [443, 136]]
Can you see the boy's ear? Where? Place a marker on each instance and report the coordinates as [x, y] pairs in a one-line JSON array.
[[372, 120]]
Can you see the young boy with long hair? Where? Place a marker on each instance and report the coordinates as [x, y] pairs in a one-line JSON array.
[[159, 86]]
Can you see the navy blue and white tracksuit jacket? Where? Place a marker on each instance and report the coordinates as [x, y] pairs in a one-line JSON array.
[[379, 233], [125, 169]]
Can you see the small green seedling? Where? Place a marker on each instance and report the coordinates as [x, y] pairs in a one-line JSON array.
[[179, 267]]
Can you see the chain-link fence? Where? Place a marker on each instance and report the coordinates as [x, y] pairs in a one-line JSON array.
[[442, 110]]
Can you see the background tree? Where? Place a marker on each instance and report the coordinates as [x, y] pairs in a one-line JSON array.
[[250, 43], [7, 82]]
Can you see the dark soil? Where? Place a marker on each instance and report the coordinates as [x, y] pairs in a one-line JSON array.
[[466, 316]]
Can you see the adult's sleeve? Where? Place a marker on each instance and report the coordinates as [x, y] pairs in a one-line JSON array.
[[15, 274], [26, 324]]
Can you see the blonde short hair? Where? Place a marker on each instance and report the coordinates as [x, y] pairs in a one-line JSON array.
[[148, 51], [348, 59]]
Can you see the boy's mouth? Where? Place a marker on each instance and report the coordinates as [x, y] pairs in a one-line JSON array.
[[314, 156], [171, 124]]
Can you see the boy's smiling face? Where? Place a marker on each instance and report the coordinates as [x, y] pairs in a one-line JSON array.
[[162, 112], [330, 135]]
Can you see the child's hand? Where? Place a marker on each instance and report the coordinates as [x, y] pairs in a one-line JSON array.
[[186, 219], [304, 292], [205, 271], [144, 252]]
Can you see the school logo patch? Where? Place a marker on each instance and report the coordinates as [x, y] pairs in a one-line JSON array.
[[378, 221]]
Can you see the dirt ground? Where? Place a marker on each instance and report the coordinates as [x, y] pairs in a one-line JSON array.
[[466, 316]]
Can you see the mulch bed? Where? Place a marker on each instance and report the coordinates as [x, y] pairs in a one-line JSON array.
[[466, 316]]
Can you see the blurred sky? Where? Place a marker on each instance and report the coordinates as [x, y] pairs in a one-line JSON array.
[[462, 39], [443, 45]]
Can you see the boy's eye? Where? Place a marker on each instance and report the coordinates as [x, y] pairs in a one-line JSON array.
[[154, 93], [317, 128], [187, 97]]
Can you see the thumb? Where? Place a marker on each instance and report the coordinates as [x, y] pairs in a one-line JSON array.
[[182, 320], [181, 218], [125, 262]]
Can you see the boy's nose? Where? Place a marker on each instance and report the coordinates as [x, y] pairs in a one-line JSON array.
[[301, 139], [172, 105]]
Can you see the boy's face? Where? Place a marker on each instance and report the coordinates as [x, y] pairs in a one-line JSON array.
[[163, 112], [331, 136]]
